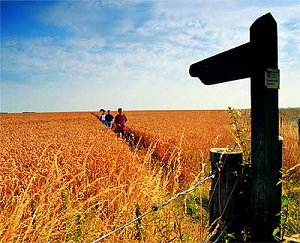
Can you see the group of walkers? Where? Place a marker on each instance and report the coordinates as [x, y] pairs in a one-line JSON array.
[[118, 123]]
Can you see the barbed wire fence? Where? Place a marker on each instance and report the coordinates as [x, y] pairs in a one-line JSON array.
[[156, 207], [217, 229]]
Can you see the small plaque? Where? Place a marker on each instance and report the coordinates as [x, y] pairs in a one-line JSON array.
[[272, 78]]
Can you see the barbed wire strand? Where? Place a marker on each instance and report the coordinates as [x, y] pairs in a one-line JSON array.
[[214, 232], [221, 215], [228, 199], [156, 207], [220, 166], [224, 230]]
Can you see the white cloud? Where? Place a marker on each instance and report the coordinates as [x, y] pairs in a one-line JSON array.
[[141, 59]]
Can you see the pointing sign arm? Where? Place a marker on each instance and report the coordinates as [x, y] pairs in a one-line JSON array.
[[226, 66]]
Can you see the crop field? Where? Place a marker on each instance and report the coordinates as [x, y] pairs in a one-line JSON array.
[[65, 177]]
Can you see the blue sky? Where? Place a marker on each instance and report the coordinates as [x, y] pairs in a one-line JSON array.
[[87, 55]]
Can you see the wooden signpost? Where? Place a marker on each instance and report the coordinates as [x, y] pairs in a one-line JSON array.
[[258, 60]]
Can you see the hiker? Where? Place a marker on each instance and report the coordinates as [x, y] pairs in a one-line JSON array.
[[109, 119], [102, 116], [120, 122]]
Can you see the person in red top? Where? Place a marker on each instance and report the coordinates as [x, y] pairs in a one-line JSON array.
[[120, 122]]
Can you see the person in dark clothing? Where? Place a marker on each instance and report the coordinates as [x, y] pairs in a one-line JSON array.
[[120, 122], [109, 119]]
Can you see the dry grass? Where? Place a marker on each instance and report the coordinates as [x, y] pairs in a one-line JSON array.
[[194, 132], [291, 151], [64, 177]]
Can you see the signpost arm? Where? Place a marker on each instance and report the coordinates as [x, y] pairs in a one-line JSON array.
[[227, 66]]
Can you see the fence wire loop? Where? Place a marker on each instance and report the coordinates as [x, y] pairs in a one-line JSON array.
[[157, 207]]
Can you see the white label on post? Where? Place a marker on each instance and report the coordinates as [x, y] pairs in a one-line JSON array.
[[272, 78]]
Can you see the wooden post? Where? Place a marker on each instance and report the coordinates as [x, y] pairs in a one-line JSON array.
[[299, 133], [258, 60], [266, 164], [225, 203]]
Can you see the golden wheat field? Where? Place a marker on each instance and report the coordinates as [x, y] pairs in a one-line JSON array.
[[65, 177]]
